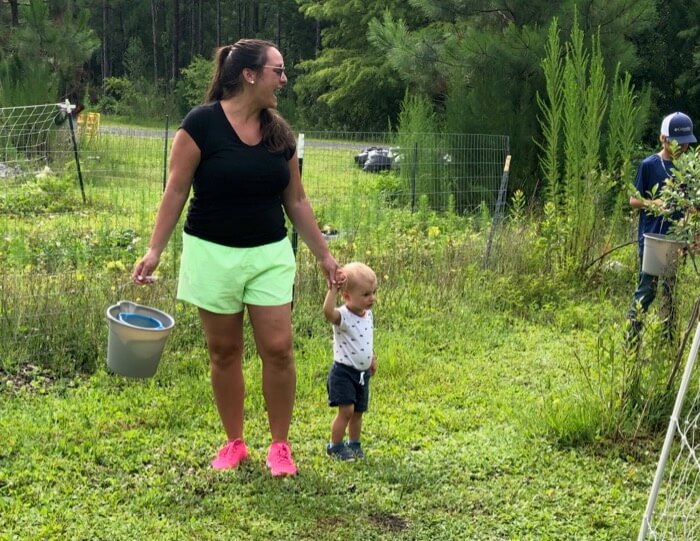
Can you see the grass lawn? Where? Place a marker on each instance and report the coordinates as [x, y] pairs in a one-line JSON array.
[[454, 440], [479, 383]]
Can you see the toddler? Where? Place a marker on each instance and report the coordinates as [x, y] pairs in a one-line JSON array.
[[354, 361]]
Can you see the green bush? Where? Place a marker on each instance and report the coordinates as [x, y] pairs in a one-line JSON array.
[[41, 195], [193, 83]]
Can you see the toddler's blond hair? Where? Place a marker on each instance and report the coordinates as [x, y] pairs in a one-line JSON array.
[[357, 272]]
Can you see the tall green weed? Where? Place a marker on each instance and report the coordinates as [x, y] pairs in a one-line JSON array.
[[585, 201]]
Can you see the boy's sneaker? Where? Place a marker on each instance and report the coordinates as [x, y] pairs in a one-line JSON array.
[[279, 459], [230, 455], [340, 451], [356, 448]]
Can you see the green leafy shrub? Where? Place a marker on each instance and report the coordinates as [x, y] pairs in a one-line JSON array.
[[193, 83], [119, 92], [41, 195], [681, 196], [617, 392]]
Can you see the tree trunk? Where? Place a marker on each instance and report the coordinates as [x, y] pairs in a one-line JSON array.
[[14, 13], [239, 12], [199, 27], [279, 27], [218, 23], [193, 29], [154, 32], [195, 7], [176, 40], [318, 37], [105, 41], [254, 18]]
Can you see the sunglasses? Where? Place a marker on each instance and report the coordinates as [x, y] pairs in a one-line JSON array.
[[279, 70]]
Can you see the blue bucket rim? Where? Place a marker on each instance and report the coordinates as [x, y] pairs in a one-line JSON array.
[[124, 317], [167, 321]]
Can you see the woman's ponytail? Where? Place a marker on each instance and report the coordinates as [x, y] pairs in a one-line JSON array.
[[216, 86]]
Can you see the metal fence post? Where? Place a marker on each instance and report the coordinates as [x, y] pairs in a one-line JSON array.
[[413, 177], [498, 211]]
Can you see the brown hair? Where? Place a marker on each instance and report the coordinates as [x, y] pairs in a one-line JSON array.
[[227, 81]]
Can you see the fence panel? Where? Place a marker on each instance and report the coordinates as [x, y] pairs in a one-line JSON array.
[[63, 259]]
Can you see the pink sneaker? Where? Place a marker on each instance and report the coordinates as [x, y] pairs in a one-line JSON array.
[[279, 459], [230, 455]]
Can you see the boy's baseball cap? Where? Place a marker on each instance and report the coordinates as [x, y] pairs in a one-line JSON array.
[[678, 127]]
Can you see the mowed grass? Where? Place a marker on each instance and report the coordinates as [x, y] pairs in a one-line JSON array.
[[455, 446]]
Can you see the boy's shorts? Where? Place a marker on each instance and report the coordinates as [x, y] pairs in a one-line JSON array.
[[347, 385], [222, 279]]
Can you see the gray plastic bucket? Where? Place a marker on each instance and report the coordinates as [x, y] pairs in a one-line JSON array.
[[660, 254], [137, 336]]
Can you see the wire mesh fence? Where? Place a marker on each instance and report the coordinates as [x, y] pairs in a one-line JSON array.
[[67, 243]]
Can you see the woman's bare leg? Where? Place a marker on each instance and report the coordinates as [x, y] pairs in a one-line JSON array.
[[272, 329], [225, 344]]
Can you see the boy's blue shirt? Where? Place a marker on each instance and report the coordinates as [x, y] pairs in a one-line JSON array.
[[653, 171]]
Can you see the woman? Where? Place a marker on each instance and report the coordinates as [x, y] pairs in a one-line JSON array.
[[238, 155]]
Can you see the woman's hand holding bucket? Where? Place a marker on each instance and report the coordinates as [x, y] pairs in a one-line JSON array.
[[143, 270]]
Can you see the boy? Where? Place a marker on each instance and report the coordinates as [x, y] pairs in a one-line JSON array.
[[651, 178], [353, 356]]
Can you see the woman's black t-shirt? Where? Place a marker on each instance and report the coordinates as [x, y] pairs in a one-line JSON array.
[[237, 188]]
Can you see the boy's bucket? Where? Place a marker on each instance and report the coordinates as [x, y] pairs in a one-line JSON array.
[[137, 336], [660, 254]]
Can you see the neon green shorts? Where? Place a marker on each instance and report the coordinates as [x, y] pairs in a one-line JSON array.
[[222, 279]]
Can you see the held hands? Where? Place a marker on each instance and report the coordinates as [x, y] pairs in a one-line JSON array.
[[335, 282], [339, 278], [330, 267]]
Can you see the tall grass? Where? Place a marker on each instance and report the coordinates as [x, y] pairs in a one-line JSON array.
[[579, 190], [552, 114]]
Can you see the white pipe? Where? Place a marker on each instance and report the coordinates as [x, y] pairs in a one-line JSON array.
[[680, 397]]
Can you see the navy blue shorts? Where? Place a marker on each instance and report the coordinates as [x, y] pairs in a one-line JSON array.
[[346, 385]]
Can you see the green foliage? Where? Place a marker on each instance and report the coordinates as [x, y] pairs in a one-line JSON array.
[[552, 114], [625, 124], [517, 207], [41, 195], [449, 168], [349, 85], [135, 61], [552, 239], [193, 83], [119, 95], [596, 105], [681, 196], [575, 109], [576, 85], [477, 54], [618, 393], [628, 116], [44, 55], [420, 170], [348, 91], [26, 82], [133, 99], [672, 81]]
